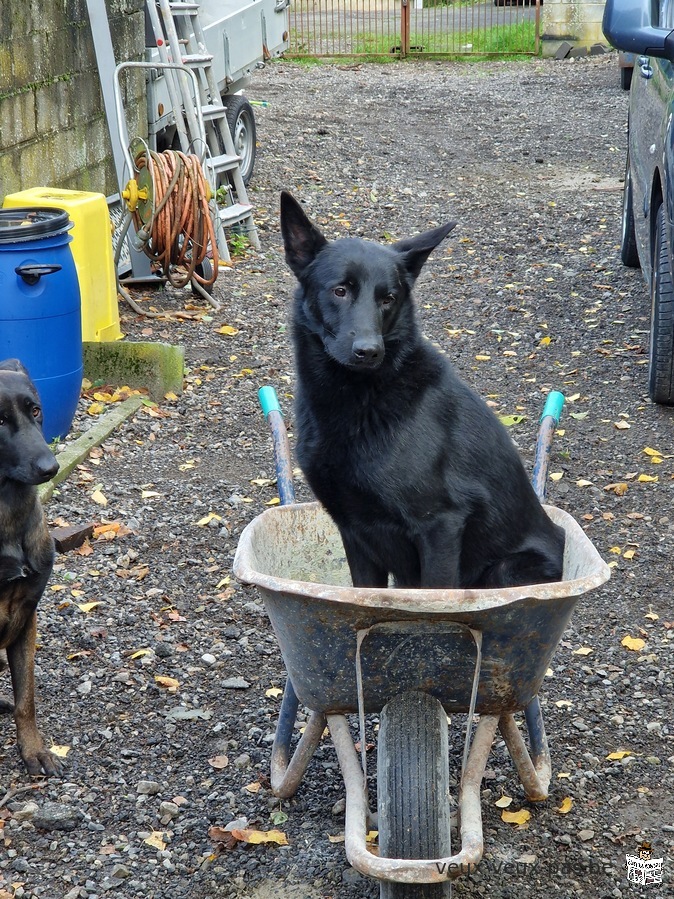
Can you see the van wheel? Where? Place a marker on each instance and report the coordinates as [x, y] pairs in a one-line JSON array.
[[628, 238], [241, 121], [661, 362]]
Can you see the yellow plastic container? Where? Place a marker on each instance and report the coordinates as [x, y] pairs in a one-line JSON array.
[[92, 251]]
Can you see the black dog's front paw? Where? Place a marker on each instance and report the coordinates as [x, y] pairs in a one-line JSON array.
[[6, 707]]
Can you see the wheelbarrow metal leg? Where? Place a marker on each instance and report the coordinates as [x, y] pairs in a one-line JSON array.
[[534, 770], [413, 870], [286, 772]]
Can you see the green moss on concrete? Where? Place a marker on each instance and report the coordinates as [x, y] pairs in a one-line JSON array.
[[159, 367]]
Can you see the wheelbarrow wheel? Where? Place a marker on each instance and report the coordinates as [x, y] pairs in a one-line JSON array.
[[413, 788]]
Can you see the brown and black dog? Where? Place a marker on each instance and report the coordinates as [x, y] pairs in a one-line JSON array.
[[26, 552]]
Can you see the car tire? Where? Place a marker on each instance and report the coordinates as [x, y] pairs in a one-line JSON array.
[[628, 238], [626, 77], [241, 121], [661, 358]]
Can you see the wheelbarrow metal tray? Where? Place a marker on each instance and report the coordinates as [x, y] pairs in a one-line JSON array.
[[294, 555]]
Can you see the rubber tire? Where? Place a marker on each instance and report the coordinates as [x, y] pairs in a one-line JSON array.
[[205, 269], [413, 788], [628, 238], [626, 77], [241, 121], [661, 363]]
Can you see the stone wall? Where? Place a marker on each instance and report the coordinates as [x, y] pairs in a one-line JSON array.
[[53, 131]]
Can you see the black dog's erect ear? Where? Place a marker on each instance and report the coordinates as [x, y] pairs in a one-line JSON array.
[[301, 238], [417, 249], [13, 365]]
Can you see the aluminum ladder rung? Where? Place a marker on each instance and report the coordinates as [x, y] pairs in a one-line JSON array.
[[222, 163]]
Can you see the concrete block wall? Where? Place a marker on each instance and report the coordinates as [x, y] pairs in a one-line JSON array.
[[53, 131], [577, 22]]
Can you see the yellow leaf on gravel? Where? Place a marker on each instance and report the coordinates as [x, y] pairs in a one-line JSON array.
[[260, 836], [169, 682], [337, 838], [87, 606], [566, 806], [273, 502], [619, 489], [156, 840], [564, 704], [629, 554], [483, 358], [503, 802], [273, 692], [99, 498], [510, 420], [60, 751], [583, 651], [207, 518], [139, 653], [228, 330], [622, 425], [583, 483], [652, 616], [647, 478], [651, 452], [253, 787], [520, 817], [96, 409], [545, 341], [636, 644], [619, 755], [556, 475]]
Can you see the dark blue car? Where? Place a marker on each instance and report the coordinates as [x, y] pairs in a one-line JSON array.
[[646, 29]]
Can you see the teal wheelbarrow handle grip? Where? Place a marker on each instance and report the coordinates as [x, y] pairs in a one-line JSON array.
[[550, 416], [284, 472]]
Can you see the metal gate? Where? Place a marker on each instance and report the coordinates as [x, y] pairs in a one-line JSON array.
[[406, 28]]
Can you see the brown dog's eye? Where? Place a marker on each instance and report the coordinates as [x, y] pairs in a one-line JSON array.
[[36, 411], [340, 292]]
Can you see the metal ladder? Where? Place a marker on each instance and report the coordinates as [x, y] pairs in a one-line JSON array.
[[180, 39]]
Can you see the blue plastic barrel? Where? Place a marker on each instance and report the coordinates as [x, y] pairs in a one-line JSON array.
[[40, 312]]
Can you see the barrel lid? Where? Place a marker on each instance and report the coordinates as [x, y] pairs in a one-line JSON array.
[[31, 223]]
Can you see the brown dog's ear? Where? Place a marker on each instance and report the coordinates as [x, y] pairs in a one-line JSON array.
[[301, 238], [417, 249]]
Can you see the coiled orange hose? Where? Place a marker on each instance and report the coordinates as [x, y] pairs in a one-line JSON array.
[[180, 232]]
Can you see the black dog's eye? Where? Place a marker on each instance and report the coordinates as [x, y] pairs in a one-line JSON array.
[[36, 411], [340, 291], [388, 300]]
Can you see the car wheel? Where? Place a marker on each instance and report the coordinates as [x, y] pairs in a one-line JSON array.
[[628, 238], [241, 121], [661, 363], [626, 77]]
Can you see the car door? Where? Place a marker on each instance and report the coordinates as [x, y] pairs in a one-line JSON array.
[[650, 121]]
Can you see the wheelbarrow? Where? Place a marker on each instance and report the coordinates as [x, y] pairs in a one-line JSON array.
[[414, 657]]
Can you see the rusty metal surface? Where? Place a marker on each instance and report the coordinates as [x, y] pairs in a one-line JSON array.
[[295, 557]]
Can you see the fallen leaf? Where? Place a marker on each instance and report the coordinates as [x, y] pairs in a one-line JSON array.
[[207, 518], [545, 341], [503, 802], [169, 682], [629, 554], [564, 704], [566, 806], [139, 653], [482, 358], [228, 330], [619, 489], [156, 840], [510, 420], [219, 762], [636, 644], [87, 606], [583, 651], [96, 409], [619, 755], [652, 616], [647, 478], [337, 838], [273, 502], [260, 836], [583, 483], [99, 498], [622, 425], [273, 692], [253, 787], [520, 817], [60, 751], [556, 475]]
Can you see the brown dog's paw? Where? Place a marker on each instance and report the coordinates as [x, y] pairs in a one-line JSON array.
[[43, 763]]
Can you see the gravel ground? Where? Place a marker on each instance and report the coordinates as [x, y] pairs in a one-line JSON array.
[[526, 295]]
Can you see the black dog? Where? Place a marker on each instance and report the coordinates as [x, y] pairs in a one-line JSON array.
[[421, 478], [26, 551]]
